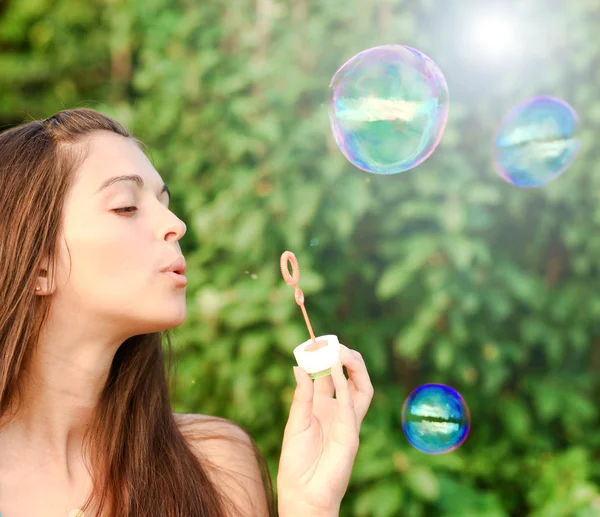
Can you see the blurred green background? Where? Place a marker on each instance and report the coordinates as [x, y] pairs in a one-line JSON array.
[[444, 273]]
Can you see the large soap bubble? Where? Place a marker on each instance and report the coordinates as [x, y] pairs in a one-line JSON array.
[[536, 142], [435, 419], [388, 109]]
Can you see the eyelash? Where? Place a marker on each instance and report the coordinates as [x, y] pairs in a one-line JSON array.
[[125, 209]]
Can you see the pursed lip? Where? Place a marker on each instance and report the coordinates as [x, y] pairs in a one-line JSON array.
[[179, 279], [178, 266]]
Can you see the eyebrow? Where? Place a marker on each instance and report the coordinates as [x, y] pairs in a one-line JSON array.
[[133, 177]]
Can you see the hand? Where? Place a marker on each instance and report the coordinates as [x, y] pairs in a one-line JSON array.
[[321, 437]]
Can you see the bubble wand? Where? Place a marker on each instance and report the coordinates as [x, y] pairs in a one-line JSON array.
[[293, 280], [322, 353]]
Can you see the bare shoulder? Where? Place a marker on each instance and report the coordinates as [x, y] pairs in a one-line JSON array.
[[233, 464], [200, 422], [206, 433]]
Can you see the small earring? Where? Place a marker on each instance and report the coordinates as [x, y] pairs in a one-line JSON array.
[[38, 288]]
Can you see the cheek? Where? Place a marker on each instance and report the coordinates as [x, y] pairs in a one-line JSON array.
[[109, 255]]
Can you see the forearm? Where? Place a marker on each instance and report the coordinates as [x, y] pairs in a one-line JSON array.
[[298, 510]]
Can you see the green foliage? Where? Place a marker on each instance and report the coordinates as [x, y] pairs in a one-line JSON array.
[[440, 274]]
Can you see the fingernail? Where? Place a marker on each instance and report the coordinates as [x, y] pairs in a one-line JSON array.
[[296, 372]]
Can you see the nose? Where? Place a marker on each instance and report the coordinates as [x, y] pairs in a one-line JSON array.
[[176, 228]]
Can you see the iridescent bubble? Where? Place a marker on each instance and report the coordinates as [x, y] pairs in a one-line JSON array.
[[536, 142], [435, 419], [388, 108]]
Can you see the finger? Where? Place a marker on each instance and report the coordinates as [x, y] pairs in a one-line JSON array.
[[324, 386], [301, 409], [346, 413], [359, 377]]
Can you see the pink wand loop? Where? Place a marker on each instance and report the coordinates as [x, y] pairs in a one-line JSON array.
[[293, 281]]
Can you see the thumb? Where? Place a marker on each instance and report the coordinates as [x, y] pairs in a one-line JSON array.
[[301, 408]]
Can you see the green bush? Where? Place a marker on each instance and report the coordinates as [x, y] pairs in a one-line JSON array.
[[444, 273]]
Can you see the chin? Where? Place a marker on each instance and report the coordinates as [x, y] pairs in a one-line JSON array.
[[165, 322], [176, 321]]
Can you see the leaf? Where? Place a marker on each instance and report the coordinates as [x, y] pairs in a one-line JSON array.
[[395, 277], [516, 417], [384, 499], [423, 483]]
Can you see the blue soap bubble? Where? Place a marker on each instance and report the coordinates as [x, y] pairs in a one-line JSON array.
[[435, 419], [388, 108], [536, 142]]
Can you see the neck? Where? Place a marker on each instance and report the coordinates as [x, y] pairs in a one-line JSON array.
[[61, 388]]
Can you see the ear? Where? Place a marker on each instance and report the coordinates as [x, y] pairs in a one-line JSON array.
[[43, 279]]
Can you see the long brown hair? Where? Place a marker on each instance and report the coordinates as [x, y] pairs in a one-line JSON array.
[[143, 465]]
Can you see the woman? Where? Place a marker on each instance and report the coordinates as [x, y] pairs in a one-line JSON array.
[[86, 426]]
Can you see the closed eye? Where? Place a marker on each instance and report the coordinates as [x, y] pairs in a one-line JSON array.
[[125, 209]]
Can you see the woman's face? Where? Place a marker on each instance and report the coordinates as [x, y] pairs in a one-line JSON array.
[[116, 257]]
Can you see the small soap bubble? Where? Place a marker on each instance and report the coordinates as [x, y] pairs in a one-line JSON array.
[[314, 241], [435, 419], [253, 276], [536, 142], [388, 108]]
